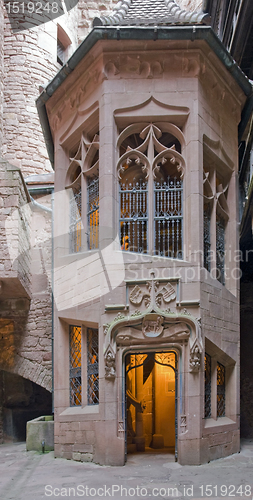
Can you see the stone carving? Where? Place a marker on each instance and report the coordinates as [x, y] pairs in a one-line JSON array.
[[106, 328], [167, 293], [183, 424], [121, 429], [186, 312], [177, 331], [150, 136], [85, 158], [110, 371], [153, 329], [144, 66], [136, 313], [152, 325], [154, 295], [136, 296], [167, 310], [195, 356], [119, 316]]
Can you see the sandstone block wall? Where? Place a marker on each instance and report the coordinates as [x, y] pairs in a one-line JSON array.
[[30, 62], [25, 298], [1, 69]]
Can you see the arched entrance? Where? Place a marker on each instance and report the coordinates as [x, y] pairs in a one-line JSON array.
[[151, 401]]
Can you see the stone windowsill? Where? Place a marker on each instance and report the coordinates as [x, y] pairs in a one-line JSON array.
[[222, 424], [79, 410]]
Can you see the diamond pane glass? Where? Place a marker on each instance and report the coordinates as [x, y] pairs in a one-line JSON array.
[[93, 213], [220, 390], [92, 367], [169, 218], [207, 237], [75, 379], [207, 386], [75, 221], [220, 250]]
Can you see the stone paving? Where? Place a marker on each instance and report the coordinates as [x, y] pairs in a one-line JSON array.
[[33, 476]]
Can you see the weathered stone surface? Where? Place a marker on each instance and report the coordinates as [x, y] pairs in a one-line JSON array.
[[40, 433]]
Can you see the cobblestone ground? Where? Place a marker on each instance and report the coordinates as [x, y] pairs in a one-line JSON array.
[[33, 476]]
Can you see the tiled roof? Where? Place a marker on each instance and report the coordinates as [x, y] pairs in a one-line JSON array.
[[150, 13]]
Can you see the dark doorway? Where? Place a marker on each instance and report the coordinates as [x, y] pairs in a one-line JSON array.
[[20, 401]]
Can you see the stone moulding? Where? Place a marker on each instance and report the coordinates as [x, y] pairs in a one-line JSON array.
[[170, 327]]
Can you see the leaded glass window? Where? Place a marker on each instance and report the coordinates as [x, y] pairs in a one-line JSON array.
[[92, 367], [220, 390], [220, 249], [75, 220], [168, 217], [207, 386], [93, 212], [82, 180], [207, 237], [75, 377]]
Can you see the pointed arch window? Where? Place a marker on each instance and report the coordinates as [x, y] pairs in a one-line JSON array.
[[215, 218], [83, 184], [150, 171]]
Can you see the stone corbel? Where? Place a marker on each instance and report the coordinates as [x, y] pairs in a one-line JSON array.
[[110, 370]]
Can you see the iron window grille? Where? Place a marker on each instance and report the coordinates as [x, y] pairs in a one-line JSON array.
[[134, 216], [92, 367], [75, 377], [75, 224], [150, 171], [168, 218], [220, 390], [207, 386], [93, 213], [207, 238], [220, 250]]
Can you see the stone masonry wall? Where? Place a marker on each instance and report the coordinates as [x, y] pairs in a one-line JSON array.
[[1, 69], [25, 325], [14, 230], [30, 62]]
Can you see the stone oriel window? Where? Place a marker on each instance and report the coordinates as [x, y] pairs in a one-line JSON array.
[[207, 386], [75, 364], [82, 182], [92, 367], [150, 171], [220, 390]]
